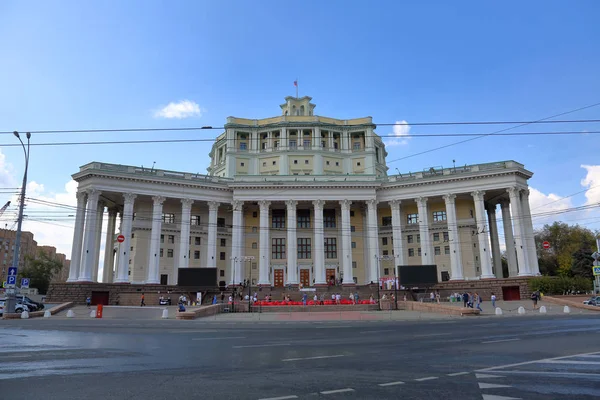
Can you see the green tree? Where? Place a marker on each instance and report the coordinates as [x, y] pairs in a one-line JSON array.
[[40, 270]]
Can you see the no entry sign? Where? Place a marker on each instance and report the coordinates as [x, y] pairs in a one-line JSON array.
[[120, 238], [546, 245]]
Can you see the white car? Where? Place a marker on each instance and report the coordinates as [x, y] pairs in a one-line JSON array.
[[19, 307]]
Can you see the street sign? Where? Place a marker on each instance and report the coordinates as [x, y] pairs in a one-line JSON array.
[[596, 270], [24, 283], [12, 271], [11, 280], [10, 291], [4, 284], [595, 256], [546, 245], [120, 238]]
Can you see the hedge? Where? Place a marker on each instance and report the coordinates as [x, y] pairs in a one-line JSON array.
[[560, 284]]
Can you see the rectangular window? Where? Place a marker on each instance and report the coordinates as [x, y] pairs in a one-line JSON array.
[[386, 221], [409, 239], [242, 164], [171, 239], [278, 248], [220, 222], [335, 146], [254, 229], [197, 240], [305, 161], [278, 219], [304, 248], [412, 218], [419, 252], [384, 241], [276, 145], [330, 247], [446, 237], [437, 251], [385, 252], [352, 213], [264, 146], [196, 254], [221, 273], [223, 242], [162, 238], [356, 145], [254, 266], [254, 245], [439, 216], [329, 218], [323, 144], [304, 219], [353, 264], [306, 144], [274, 162], [295, 161], [352, 228], [447, 250], [293, 144], [418, 238], [264, 163], [436, 237], [327, 162], [353, 245], [222, 256], [160, 253], [168, 218], [195, 220], [243, 146], [411, 252], [386, 271], [169, 253]]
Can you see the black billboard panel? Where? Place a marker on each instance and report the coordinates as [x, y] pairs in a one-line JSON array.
[[197, 277], [418, 275]]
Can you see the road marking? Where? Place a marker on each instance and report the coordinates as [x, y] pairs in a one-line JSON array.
[[333, 326], [435, 334], [280, 398], [494, 397], [500, 341], [535, 361], [486, 376], [196, 331], [261, 345], [459, 373], [392, 383], [312, 358], [483, 385], [220, 338], [570, 362], [591, 355], [548, 373], [338, 391], [428, 378]]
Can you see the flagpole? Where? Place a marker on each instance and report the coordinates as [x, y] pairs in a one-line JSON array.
[[296, 87]]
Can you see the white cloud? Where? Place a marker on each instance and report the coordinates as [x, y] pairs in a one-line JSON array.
[[592, 182], [401, 134], [6, 177], [180, 110]]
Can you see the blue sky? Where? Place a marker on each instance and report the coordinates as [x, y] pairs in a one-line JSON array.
[[113, 64]]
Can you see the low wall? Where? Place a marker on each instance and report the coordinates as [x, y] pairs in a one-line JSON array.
[[34, 314], [436, 308], [485, 287], [571, 303], [129, 312], [318, 308], [204, 311]]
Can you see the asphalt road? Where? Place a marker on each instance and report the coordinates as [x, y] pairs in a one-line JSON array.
[[554, 357]]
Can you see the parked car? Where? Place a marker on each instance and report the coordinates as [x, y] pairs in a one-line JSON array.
[[593, 301], [33, 305], [19, 307]]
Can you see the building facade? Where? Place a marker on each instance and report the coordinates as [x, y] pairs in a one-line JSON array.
[[301, 199], [7, 249]]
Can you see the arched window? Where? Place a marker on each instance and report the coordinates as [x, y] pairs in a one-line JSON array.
[[286, 112], [301, 110]]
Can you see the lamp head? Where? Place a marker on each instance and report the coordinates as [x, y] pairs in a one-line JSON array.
[[28, 134], [16, 133]]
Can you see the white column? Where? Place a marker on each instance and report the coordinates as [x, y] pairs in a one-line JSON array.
[[517, 218], [126, 224], [346, 243], [319, 251], [264, 254], [184, 237], [456, 267], [495, 241], [100, 217], [89, 241], [211, 250], [373, 234], [529, 235], [77, 237], [509, 240], [153, 254], [109, 259], [236, 243], [292, 243], [399, 256], [426, 248], [485, 255]]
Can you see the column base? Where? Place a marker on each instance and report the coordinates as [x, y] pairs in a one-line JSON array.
[[151, 283], [122, 281], [292, 284], [488, 277], [72, 280], [85, 279], [524, 274], [458, 278]]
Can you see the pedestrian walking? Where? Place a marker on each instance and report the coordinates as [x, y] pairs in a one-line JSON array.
[[534, 299], [88, 301], [142, 302], [477, 299], [493, 300]]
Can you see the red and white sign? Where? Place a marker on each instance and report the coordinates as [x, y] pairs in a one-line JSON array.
[[546, 245], [120, 238]]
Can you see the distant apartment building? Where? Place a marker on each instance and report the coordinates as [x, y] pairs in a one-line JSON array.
[[63, 274], [7, 249]]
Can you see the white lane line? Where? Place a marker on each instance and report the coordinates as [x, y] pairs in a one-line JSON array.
[[313, 358], [195, 331], [483, 385], [534, 361], [250, 346], [486, 376], [280, 398], [459, 373], [338, 391], [560, 374], [591, 355], [332, 327], [570, 362], [428, 378], [391, 383], [500, 341], [220, 338]]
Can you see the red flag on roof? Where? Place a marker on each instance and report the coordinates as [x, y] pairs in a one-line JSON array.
[[295, 83]]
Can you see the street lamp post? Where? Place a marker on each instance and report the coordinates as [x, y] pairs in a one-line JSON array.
[[233, 292], [379, 259], [249, 259], [10, 298]]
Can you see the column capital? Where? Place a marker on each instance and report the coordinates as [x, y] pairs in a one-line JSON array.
[[449, 198], [525, 193], [395, 204], [291, 204], [421, 201], [158, 200], [129, 197], [112, 211], [213, 205], [81, 195], [513, 191], [187, 203], [345, 204], [318, 204], [504, 203], [264, 204], [371, 203], [478, 195], [237, 205], [93, 194]]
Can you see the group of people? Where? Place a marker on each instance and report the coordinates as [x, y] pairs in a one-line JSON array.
[[472, 300]]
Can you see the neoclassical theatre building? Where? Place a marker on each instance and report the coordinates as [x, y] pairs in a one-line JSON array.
[[301, 199]]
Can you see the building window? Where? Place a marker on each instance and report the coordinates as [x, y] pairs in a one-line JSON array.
[[222, 256], [254, 266], [439, 216], [411, 252], [196, 254], [276, 144], [446, 237], [293, 144], [306, 144], [304, 248], [384, 241], [168, 218], [356, 145], [243, 146], [162, 238], [329, 218], [221, 273], [195, 220], [358, 164], [437, 251], [327, 162], [171, 239], [264, 163], [220, 222], [418, 238], [254, 229], [242, 164], [471, 213], [352, 228], [169, 253], [274, 162], [223, 242], [304, 219], [264, 146], [419, 252], [197, 240], [409, 239], [385, 252], [278, 219], [436, 237], [412, 218], [305, 161], [386, 221], [254, 245], [254, 214], [330, 248], [353, 264], [278, 248], [386, 271], [446, 249], [160, 253], [295, 161], [353, 245], [352, 213]]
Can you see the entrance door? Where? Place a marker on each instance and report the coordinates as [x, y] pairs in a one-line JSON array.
[[511, 293], [305, 277], [330, 274], [164, 279], [278, 277]]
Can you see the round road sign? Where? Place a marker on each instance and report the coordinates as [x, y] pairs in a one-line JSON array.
[[546, 245], [120, 238]]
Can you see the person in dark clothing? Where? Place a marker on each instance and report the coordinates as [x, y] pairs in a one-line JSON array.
[[465, 298]]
